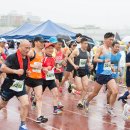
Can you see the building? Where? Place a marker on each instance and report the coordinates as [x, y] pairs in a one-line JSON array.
[[12, 19]]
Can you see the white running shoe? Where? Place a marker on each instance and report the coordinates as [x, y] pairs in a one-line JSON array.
[[126, 112], [111, 112]]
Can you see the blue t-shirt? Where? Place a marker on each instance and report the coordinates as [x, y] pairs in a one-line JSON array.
[[115, 58], [104, 68]]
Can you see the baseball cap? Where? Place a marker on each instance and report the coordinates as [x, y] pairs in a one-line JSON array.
[[40, 39], [53, 40], [48, 45], [3, 40]]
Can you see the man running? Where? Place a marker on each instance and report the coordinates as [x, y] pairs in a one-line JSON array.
[[80, 64], [115, 59], [14, 84], [104, 73], [34, 79]]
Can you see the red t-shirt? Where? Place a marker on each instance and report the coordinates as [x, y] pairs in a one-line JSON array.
[[59, 59], [48, 61], [4, 56]]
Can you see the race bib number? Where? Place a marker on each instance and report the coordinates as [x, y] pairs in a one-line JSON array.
[[36, 70], [38, 65], [107, 66], [50, 75], [17, 86], [82, 62], [59, 62]]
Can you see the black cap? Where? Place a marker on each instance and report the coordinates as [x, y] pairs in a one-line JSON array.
[[40, 39]]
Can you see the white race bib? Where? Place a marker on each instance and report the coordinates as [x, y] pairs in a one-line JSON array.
[[37, 70], [107, 66], [17, 86], [59, 61], [50, 75], [82, 62]]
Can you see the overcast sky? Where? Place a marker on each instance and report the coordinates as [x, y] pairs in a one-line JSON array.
[[104, 13]]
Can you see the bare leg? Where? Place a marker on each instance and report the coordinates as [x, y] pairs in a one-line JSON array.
[[112, 86], [85, 86], [38, 95], [2, 103], [24, 107], [95, 92]]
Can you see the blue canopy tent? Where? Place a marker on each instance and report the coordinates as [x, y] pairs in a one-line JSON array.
[[19, 32], [47, 30]]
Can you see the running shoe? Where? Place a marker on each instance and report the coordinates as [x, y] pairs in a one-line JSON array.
[[124, 97], [70, 88], [76, 92], [80, 105], [42, 119], [57, 112], [124, 113], [106, 106], [111, 112], [86, 106], [60, 106], [23, 127]]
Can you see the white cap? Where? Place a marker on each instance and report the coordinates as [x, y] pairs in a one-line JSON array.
[[3, 40]]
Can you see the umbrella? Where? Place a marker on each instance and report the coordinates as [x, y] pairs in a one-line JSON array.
[[126, 39]]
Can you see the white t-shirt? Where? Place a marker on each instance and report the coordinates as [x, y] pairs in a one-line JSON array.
[[11, 51], [123, 59], [78, 46]]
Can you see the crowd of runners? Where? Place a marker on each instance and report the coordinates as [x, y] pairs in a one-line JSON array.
[[41, 64]]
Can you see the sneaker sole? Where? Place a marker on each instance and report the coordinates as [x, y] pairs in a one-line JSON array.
[[57, 113], [42, 121]]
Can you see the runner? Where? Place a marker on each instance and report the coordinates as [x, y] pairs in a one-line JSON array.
[[14, 84], [122, 65], [80, 64], [127, 93], [115, 59], [49, 77], [34, 79], [2, 48], [3, 57], [69, 68], [104, 73], [78, 39], [60, 61]]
